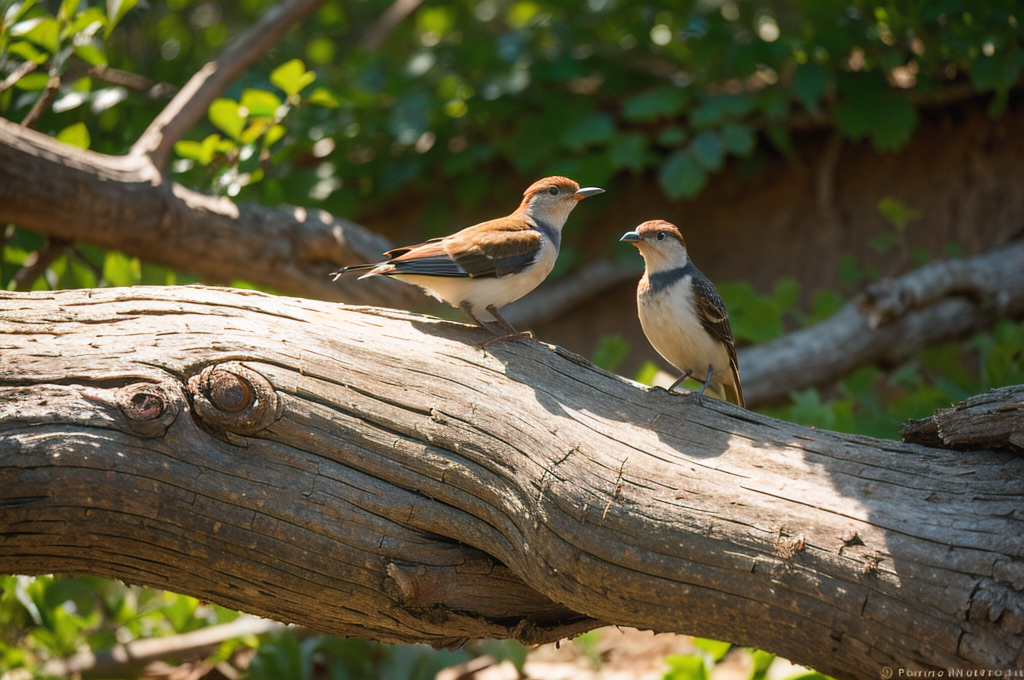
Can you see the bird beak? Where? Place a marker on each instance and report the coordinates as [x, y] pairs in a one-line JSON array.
[[630, 237], [587, 191]]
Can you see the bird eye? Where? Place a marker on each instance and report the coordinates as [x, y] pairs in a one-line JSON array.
[[661, 236], [553, 191]]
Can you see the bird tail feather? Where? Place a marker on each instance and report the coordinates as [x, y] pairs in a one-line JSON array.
[[337, 274]]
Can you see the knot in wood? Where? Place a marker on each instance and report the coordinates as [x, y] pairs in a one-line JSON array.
[[234, 398], [148, 408]]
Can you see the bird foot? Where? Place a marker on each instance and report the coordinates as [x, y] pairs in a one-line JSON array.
[[518, 335]]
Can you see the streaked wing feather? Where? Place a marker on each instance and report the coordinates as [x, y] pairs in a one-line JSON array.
[[714, 317], [497, 248]]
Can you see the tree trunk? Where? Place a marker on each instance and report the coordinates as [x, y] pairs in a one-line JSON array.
[[376, 473]]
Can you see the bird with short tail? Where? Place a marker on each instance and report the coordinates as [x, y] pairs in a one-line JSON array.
[[682, 314], [488, 265]]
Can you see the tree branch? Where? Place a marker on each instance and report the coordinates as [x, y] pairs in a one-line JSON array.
[[124, 203], [381, 29], [37, 262], [128, 660], [890, 323], [191, 102], [993, 420], [552, 300], [375, 473]]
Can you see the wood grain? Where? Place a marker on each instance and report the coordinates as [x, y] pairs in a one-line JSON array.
[[370, 472]]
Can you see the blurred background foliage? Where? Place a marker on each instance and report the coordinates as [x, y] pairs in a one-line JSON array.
[[460, 99]]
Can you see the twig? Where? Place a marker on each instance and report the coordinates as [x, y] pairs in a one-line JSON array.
[[554, 300], [192, 100], [124, 661], [36, 263], [890, 322], [32, 117], [17, 74], [381, 29]]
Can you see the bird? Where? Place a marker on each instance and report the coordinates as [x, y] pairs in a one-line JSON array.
[[488, 265], [683, 315]]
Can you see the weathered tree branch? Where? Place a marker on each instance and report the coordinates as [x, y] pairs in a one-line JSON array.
[[890, 322], [994, 420], [189, 105], [376, 473], [124, 203], [130, 659], [559, 297]]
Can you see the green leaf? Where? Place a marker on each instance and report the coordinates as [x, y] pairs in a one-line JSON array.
[[275, 133], [611, 351], [715, 648], [43, 31], [33, 82], [709, 150], [28, 52], [808, 84], [629, 150], [91, 54], [786, 293], [292, 77], [999, 71], [685, 667], [202, 152], [116, 9], [869, 107], [682, 176], [121, 270], [664, 102], [321, 96], [76, 135], [225, 116], [648, 370], [716, 108], [897, 213], [89, 20], [594, 129], [738, 139], [260, 102], [672, 136], [67, 10]]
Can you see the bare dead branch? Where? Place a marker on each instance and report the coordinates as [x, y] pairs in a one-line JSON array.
[[381, 29], [195, 97], [555, 299], [994, 420], [374, 473], [22, 70], [127, 660], [41, 104], [37, 262], [891, 322], [124, 203]]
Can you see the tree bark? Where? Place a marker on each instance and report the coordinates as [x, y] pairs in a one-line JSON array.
[[370, 472], [123, 202]]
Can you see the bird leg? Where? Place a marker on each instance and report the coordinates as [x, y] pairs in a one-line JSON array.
[[683, 377], [502, 329], [510, 332], [707, 381]]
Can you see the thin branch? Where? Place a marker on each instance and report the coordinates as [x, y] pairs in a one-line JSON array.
[[126, 660], [45, 97], [287, 248], [17, 74], [192, 101], [890, 322], [37, 262], [381, 29], [555, 299]]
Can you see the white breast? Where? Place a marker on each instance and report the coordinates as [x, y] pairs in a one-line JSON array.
[[483, 292], [670, 322]]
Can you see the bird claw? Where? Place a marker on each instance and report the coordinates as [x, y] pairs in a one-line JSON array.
[[518, 335]]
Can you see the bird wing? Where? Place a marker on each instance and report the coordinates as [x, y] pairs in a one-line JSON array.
[[496, 248], [714, 317]]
